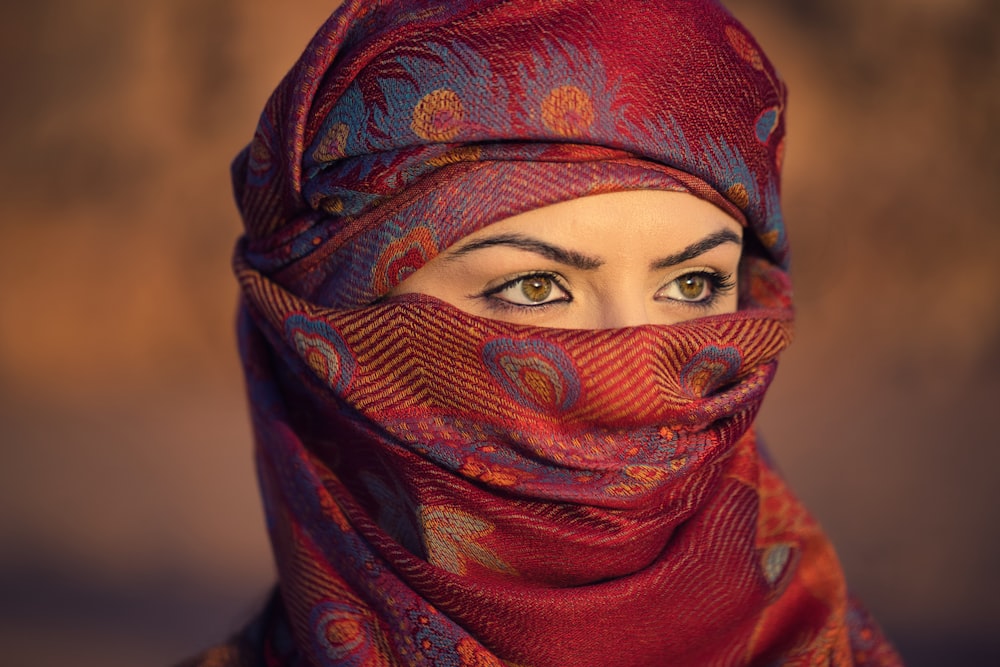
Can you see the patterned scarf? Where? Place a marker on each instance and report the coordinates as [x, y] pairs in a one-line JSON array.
[[442, 489]]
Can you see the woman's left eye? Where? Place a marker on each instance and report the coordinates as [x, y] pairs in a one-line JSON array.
[[697, 287], [533, 290]]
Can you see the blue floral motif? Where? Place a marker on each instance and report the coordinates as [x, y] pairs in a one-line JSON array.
[[456, 74], [716, 161], [723, 166], [568, 92], [773, 234], [344, 132]]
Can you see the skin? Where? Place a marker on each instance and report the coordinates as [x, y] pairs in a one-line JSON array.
[[570, 265]]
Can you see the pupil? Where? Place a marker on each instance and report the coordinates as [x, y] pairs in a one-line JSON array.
[[536, 289]]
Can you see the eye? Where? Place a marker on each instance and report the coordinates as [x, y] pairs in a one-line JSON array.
[[699, 287], [536, 289]]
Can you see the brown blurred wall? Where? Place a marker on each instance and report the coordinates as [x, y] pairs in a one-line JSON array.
[[130, 531]]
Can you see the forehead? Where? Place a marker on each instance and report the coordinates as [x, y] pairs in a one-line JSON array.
[[622, 217]]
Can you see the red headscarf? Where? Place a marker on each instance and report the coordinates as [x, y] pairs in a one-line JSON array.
[[443, 489]]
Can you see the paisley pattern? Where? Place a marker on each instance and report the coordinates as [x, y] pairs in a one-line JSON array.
[[533, 372], [709, 369], [442, 489], [322, 349], [342, 634], [402, 257]]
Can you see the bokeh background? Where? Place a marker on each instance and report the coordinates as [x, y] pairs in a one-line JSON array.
[[130, 532]]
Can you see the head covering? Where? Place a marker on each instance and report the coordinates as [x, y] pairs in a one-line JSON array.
[[443, 489]]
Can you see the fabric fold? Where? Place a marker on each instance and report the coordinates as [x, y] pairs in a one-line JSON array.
[[443, 489]]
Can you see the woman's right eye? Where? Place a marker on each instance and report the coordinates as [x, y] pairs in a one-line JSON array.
[[536, 289]]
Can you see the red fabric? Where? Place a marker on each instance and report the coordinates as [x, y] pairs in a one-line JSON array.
[[443, 489]]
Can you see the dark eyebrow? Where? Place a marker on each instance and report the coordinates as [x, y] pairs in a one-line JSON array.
[[555, 253], [698, 248]]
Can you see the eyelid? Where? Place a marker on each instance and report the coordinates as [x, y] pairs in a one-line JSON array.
[[508, 281], [489, 294], [680, 272]]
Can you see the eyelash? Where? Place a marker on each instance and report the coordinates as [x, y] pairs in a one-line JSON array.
[[719, 284]]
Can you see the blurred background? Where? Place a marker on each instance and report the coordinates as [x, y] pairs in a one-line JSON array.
[[130, 529]]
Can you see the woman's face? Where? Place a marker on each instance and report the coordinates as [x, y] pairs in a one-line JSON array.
[[603, 261]]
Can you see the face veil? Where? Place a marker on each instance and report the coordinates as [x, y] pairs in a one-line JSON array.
[[444, 489]]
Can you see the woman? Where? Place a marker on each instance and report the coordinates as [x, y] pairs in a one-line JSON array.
[[514, 284]]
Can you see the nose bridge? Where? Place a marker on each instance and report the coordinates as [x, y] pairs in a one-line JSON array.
[[624, 309]]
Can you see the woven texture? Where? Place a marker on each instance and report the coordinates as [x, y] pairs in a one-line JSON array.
[[442, 489]]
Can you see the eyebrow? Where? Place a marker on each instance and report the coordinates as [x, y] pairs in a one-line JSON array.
[[585, 262], [562, 255], [698, 248]]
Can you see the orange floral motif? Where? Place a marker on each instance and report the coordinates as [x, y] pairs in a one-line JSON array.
[[741, 43], [322, 363], [770, 238], [625, 489], [332, 205], [541, 385], [460, 154], [737, 193], [438, 116], [568, 111], [483, 473], [533, 372], [646, 474], [322, 357], [712, 367], [641, 478], [346, 633], [333, 145]]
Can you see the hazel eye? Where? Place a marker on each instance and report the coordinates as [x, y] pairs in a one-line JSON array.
[[532, 290], [696, 287]]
